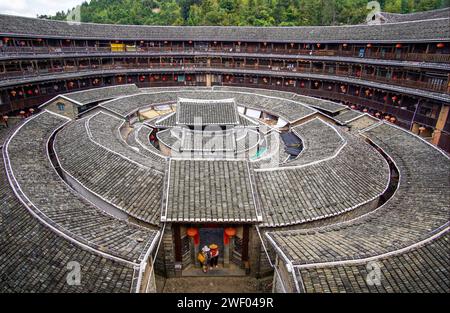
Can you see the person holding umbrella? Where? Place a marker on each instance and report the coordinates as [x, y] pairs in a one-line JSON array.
[[214, 252]]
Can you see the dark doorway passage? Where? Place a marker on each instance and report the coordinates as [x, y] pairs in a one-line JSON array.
[[209, 235]]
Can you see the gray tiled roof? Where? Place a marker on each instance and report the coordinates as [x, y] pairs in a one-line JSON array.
[[58, 204], [208, 141], [416, 211], [33, 258], [140, 136], [128, 186], [170, 137], [293, 195], [289, 110], [320, 140], [166, 121], [416, 16], [410, 31], [209, 191], [203, 112], [234, 143], [325, 105], [347, 115], [169, 120], [422, 269], [104, 93], [104, 130]]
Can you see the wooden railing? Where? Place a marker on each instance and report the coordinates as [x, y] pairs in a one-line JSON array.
[[186, 66], [421, 57]]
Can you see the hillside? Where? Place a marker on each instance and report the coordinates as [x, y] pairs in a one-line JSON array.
[[240, 12]]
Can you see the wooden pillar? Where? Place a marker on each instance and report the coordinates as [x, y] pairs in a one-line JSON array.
[[177, 242], [442, 119]]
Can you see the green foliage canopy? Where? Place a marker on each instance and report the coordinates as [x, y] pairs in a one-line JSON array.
[[240, 12]]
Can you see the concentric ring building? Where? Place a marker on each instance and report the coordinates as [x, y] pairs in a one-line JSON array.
[[317, 158]]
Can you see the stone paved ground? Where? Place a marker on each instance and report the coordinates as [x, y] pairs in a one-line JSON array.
[[210, 284]]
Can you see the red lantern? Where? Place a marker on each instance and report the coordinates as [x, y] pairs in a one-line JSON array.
[[344, 45], [230, 231], [398, 46], [369, 45], [192, 231], [440, 45]]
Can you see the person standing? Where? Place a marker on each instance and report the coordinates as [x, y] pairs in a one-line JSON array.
[[214, 251], [204, 257]]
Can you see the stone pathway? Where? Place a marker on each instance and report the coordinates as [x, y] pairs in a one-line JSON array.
[[211, 284]]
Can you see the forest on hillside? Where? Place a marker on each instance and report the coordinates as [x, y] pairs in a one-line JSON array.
[[240, 12]]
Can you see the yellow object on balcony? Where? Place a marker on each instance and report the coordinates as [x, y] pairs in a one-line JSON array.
[[117, 47]]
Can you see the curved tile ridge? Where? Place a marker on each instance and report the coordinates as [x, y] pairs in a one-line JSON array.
[[102, 93], [34, 258], [422, 268], [134, 189], [104, 129], [320, 141], [356, 176], [141, 135], [48, 198], [418, 209]]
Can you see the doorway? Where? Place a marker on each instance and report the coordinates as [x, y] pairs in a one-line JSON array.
[[210, 235]]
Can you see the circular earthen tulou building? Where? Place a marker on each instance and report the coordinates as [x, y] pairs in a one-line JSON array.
[[315, 158]]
